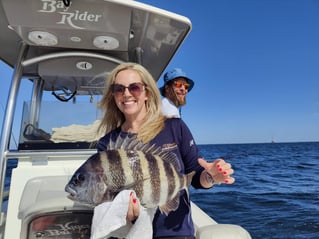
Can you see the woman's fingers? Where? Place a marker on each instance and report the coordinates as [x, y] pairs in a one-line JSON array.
[[220, 170], [133, 208]]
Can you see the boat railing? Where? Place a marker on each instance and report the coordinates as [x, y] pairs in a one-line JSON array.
[[56, 153], [64, 54]]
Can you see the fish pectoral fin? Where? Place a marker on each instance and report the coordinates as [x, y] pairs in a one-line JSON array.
[[134, 184], [170, 205], [129, 186]]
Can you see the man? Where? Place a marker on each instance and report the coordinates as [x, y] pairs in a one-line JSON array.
[[174, 91]]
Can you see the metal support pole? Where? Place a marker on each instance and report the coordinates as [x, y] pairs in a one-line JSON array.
[[8, 119]]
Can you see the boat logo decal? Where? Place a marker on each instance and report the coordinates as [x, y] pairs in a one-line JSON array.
[[69, 228], [72, 18]]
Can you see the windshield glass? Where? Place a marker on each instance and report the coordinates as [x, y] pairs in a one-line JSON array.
[[56, 124]]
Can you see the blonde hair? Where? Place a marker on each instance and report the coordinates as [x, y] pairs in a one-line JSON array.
[[113, 117]]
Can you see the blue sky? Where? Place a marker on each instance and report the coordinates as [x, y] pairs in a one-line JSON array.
[[255, 67]]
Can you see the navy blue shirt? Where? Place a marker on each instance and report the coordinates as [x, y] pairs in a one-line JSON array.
[[175, 137]]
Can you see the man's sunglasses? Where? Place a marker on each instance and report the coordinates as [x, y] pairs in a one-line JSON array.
[[135, 88], [179, 84]]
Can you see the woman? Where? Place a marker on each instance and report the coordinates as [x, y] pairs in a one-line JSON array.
[[133, 106]]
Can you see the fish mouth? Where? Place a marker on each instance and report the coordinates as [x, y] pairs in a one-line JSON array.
[[70, 196], [74, 196], [72, 192]]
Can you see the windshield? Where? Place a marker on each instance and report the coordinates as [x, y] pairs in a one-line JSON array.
[[55, 124]]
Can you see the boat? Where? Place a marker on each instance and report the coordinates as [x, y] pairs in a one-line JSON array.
[[61, 53]]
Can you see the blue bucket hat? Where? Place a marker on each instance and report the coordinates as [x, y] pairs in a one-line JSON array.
[[173, 74]]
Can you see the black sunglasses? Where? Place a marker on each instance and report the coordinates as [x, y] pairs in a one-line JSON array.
[[134, 88]]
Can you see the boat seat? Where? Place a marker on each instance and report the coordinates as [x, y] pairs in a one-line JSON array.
[[46, 212], [207, 228], [222, 231]]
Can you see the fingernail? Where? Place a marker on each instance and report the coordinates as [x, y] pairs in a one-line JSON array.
[[225, 173], [131, 193], [220, 169], [218, 166], [226, 181], [134, 200]]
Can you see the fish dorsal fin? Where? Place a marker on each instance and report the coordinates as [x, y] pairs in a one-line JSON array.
[[130, 142]]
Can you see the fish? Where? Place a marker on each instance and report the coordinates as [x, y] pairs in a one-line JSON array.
[[128, 164]]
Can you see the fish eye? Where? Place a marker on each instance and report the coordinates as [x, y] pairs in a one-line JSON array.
[[81, 177], [78, 179]]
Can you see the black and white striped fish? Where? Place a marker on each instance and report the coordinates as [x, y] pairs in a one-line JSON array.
[[129, 164]]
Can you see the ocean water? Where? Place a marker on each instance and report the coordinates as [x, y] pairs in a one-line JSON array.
[[276, 193]]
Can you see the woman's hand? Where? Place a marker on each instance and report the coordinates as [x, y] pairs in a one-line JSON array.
[[216, 172], [133, 208]]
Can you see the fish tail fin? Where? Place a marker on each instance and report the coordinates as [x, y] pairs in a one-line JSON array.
[[173, 204], [170, 205], [189, 178]]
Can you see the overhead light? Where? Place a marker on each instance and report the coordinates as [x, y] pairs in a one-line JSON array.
[[75, 39], [84, 65], [106, 42], [43, 38]]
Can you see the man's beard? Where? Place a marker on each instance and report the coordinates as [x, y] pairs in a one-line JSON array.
[[181, 100], [178, 101]]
